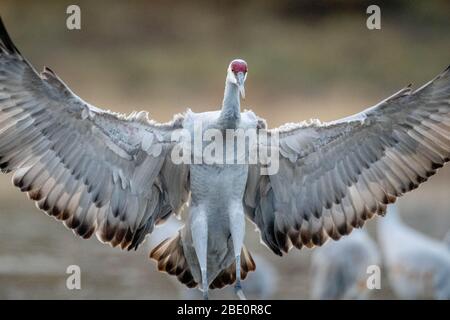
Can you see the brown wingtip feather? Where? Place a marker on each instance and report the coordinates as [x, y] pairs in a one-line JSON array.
[[228, 275], [170, 258]]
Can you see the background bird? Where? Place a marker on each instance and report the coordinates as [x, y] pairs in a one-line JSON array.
[[418, 266], [110, 174], [339, 269]]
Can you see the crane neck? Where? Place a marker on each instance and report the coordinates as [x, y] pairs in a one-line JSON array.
[[231, 108]]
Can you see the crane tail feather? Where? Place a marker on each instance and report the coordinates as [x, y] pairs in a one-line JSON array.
[[169, 255], [228, 276]]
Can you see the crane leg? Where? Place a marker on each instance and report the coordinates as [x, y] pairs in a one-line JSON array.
[[199, 229], [238, 287], [205, 283], [237, 223]]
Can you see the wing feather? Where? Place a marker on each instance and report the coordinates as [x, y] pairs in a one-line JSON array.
[[97, 171], [334, 176]]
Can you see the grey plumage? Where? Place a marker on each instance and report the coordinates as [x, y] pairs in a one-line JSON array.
[[111, 174], [83, 165], [260, 284]]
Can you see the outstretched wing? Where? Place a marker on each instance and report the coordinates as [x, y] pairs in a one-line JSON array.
[[97, 171], [333, 176]]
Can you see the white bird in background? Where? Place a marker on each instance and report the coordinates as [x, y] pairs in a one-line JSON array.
[[259, 285], [418, 266], [339, 269], [114, 176]]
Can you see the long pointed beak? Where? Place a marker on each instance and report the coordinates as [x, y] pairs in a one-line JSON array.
[[240, 77], [242, 91]]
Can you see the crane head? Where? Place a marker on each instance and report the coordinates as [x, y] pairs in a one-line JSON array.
[[237, 73]]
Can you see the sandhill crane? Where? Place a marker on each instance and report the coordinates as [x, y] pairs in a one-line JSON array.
[[260, 284], [339, 269], [418, 266], [116, 176]]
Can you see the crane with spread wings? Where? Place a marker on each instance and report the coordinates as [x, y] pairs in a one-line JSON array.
[[114, 176]]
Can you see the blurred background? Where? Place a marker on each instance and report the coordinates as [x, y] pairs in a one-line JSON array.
[[307, 59]]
